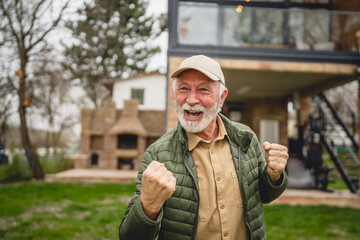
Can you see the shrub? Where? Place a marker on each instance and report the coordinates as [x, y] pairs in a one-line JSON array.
[[55, 164], [17, 170]]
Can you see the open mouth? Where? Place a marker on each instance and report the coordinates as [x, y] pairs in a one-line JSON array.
[[193, 114]]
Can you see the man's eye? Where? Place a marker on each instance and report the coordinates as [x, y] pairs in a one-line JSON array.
[[183, 89], [204, 90]]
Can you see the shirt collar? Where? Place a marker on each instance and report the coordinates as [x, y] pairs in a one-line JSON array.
[[194, 140]]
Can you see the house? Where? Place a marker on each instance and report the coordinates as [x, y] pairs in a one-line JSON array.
[[116, 136], [271, 52]]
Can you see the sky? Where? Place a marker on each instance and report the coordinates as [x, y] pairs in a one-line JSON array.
[[157, 7]]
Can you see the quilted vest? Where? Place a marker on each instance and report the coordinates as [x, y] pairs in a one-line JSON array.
[[179, 215]]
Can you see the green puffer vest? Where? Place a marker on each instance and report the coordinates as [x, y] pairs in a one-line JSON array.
[[179, 215]]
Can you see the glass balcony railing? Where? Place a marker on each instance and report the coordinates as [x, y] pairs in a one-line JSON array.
[[299, 29]]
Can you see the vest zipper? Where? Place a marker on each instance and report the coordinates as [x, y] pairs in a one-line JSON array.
[[242, 190], [186, 157]]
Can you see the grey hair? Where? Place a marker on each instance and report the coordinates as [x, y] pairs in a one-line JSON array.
[[221, 89]]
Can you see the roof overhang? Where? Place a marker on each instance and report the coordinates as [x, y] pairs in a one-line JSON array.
[[248, 79]]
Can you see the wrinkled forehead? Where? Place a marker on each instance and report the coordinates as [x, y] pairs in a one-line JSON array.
[[192, 76]]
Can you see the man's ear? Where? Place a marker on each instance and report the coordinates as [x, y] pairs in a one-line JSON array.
[[223, 97]]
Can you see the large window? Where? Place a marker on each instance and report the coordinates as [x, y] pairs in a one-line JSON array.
[[309, 30], [310, 1], [253, 27], [197, 24], [305, 25]]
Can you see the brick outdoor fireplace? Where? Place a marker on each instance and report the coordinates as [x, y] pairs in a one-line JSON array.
[[130, 135], [117, 139]]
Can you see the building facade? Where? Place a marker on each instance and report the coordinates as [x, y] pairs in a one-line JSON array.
[[271, 52]]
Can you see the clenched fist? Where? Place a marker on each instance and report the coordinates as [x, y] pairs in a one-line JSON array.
[[276, 158], [158, 184]]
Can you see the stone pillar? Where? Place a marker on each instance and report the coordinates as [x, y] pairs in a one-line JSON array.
[[304, 111], [172, 118], [141, 145]]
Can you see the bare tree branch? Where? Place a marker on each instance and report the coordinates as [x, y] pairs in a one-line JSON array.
[[11, 24], [35, 16], [53, 25]]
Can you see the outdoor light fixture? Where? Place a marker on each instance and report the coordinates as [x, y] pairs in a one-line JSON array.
[[239, 8]]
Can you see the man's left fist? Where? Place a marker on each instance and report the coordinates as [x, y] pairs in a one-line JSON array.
[[276, 156]]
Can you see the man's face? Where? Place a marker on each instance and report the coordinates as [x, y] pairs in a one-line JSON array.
[[197, 100]]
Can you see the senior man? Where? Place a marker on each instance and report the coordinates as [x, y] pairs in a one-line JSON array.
[[205, 179]]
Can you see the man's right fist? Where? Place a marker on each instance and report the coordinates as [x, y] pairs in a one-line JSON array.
[[158, 184]]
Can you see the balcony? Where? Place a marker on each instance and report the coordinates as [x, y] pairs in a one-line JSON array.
[[272, 30]]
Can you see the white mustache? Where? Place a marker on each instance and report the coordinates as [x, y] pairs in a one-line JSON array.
[[196, 107]]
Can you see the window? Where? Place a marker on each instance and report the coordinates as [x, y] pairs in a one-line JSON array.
[[198, 23], [235, 116], [305, 25], [309, 30], [310, 1], [258, 27], [269, 131], [138, 93]]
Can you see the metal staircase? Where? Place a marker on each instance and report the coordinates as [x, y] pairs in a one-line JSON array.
[[332, 129]]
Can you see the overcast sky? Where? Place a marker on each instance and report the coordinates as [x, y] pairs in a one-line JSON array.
[[156, 7]]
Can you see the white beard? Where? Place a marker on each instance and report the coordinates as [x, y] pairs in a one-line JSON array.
[[194, 126]]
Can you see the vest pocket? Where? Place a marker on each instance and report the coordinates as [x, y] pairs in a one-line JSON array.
[[238, 199], [204, 208]]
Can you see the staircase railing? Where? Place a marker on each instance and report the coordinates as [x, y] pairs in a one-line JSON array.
[[345, 170], [339, 120]]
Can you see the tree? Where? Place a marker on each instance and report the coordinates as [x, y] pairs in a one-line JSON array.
[[51, 92], [112, 39], [5, 103], [5, 113], [24, 31]]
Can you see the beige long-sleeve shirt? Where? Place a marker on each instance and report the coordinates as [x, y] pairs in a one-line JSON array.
[[221, 214]]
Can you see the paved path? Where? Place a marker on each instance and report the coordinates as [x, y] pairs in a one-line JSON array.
[[341, 198], [93, 175]]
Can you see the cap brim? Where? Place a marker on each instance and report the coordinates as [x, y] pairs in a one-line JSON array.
[[207, 73]]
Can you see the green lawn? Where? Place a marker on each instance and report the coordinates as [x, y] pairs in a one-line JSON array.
[[94, 211], [62, 211]]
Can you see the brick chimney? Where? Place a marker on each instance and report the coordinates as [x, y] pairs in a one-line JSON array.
[[129, 122]]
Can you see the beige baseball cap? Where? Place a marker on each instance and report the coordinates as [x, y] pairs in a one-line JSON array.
[[204, 64]]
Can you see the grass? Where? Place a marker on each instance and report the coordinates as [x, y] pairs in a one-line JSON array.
[[334, 176], [94, 211], [311, 222], [62, 211]]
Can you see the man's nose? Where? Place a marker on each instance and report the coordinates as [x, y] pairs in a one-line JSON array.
[[192, 99]]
